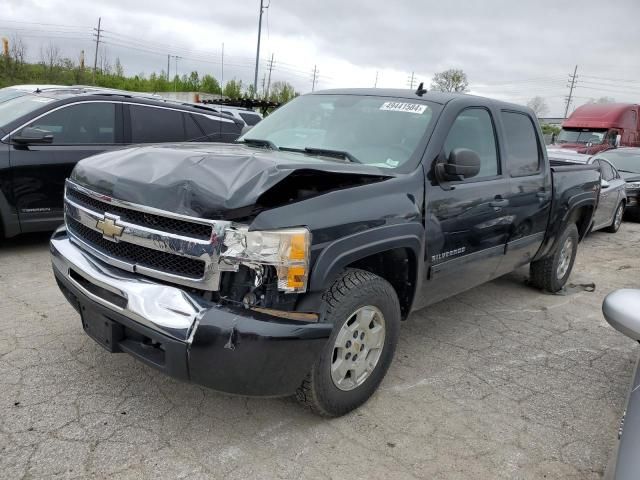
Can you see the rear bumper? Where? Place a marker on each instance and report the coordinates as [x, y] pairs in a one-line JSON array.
[[232, 350]]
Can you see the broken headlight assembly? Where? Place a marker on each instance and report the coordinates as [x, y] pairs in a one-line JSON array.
[[286, 250]]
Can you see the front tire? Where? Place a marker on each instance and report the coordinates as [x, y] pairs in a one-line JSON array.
[[617, 219], [552, 272], [365, 311]]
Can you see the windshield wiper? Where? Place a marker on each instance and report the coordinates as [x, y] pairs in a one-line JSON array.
[[627, 171], [259, 142], [332, 153]]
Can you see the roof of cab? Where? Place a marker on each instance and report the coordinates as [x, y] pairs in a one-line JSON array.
[[598, 115], [431, 96]]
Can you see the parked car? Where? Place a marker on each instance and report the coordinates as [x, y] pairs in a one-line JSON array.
[[594, 127], [613, 191], [247, 116], [44, 133], [622, 310], [285, 263], [627, 162]]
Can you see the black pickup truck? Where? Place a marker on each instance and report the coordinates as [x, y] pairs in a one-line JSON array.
[[284, 263]]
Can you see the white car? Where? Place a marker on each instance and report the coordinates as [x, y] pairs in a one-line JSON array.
[[247, 116]]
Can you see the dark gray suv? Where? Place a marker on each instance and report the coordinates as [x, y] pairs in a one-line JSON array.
[[44, 133]]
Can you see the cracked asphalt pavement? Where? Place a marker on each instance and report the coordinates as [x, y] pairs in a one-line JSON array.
[[502, 381]]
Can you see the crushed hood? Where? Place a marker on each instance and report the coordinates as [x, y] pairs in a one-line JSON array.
[[217, 180]]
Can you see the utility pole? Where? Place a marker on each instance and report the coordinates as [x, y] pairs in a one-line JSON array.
[[315, 77], [411, 80], [573, 79], [95, 57], [255, 78], [264, 82], [222, 73], [269, 80], [375, 84], [176, 76], [168, 65]]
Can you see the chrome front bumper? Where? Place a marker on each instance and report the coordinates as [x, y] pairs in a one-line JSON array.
[[229, 349], [163, 308]]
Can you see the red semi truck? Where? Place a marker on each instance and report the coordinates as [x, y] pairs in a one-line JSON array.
[[595, 127]]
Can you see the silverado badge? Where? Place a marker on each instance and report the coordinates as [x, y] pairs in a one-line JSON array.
[[109, 228]]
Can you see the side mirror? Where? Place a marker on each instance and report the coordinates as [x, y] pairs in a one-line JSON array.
[[33, 136], [604, 184], [622, 310], [618, 140], [462, 163]]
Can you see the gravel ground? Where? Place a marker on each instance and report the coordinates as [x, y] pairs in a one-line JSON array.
[[499, 382]]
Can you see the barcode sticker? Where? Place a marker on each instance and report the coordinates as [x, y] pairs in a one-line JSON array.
[[403, 107]]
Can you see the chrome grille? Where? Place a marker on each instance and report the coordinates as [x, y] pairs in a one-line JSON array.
[[169, 225], [128, 252], [152, 242]]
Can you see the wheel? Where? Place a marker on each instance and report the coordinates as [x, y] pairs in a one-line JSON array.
[[617, 219], [552, 272], [365, 311]]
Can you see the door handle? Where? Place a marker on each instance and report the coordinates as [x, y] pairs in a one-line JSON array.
[[499, 202]]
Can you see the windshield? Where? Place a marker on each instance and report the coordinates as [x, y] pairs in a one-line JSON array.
[[628, 161], [9, 93], [16, 107], [379, 131], [581, 135]]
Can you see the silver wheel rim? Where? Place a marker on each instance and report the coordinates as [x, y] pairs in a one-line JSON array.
[[618, 218], [357, 348], [565, 258]]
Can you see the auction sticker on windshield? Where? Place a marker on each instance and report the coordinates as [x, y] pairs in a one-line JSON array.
[[403, 107]]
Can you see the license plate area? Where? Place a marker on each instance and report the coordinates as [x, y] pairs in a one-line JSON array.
[[103, 330]]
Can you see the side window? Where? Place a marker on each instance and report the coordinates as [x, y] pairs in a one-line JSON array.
[[81, 124], [473, 129], [607, 171], [191, 129], [250, 118], [218, 129], [521, 144], [155, 125]]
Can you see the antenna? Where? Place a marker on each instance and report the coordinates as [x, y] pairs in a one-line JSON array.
[[421, 90]]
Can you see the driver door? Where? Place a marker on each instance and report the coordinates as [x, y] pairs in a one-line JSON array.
[[467, 225]]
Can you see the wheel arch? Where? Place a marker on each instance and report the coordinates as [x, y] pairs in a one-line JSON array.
[[380, 251]]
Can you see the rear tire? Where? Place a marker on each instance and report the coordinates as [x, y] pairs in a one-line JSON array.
[[617, 219], [552, 272], [365, 311]]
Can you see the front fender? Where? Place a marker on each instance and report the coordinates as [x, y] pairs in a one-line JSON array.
[[346, 250]]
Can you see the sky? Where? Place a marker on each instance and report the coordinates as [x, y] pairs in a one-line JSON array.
[[511, 50]]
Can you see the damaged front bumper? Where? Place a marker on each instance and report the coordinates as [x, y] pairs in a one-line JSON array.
[[228, 349]]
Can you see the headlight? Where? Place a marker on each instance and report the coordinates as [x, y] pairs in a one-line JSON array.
[[632, 185], [287, 250]]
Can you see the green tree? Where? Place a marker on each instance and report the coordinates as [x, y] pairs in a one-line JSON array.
[[452, 80], [282, 92], [209, 84], [233, 89]]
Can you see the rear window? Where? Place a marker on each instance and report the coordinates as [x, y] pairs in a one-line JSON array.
[[155, 125], [218, 129], [521, 144], [250, 118]]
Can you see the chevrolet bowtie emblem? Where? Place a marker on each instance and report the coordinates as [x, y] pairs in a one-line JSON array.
[[109, 229]]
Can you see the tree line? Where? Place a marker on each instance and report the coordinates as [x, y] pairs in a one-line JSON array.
[[53, 68]]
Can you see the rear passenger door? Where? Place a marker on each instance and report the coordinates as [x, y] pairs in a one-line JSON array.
[[529, 197], [609, 195]]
